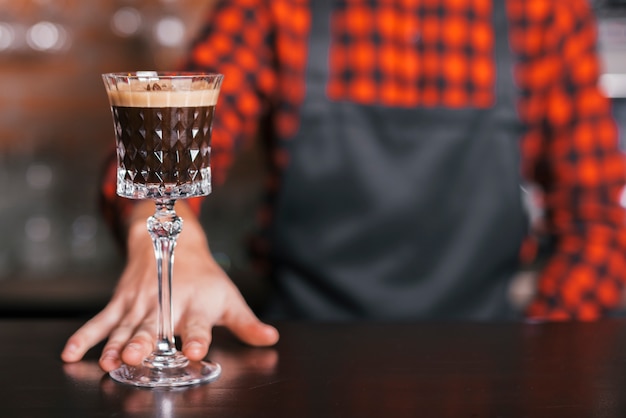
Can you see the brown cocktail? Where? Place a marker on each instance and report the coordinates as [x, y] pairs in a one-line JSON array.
[[162, 128]]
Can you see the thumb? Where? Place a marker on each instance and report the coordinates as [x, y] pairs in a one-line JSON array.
[[244, 324]]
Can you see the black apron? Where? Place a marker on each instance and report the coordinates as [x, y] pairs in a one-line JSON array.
[[399, 213]]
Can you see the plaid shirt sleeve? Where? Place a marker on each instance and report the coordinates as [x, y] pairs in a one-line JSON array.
[[572, 151], [237, 42]]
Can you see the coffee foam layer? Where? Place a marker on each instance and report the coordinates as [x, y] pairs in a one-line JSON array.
[[160, 98]]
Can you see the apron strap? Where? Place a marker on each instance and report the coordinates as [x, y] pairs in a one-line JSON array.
[[319, 46]]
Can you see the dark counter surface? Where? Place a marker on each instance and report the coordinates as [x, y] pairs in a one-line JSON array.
[[341, 370]]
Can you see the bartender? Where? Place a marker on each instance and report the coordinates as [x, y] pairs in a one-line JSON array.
[[400, 135]]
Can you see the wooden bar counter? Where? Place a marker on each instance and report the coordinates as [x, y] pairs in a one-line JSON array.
[[324, 370]]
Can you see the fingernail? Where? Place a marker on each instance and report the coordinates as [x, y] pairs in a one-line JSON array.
[[133, 346], [71, 348], [193, 345], [272, 332], [109, 355], [270, 329]]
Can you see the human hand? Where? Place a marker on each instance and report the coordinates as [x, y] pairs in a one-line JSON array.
[[203, 296]]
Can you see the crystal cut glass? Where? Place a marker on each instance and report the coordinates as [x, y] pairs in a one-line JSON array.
[[162, 124]]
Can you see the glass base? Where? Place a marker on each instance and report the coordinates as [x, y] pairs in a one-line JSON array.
[[150, 376]]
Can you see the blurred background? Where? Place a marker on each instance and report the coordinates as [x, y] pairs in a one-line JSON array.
[[55, 128]]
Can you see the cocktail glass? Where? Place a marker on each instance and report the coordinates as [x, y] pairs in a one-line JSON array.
[[162, 127]]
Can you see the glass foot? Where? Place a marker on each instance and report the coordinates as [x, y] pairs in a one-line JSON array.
[[151, 376]]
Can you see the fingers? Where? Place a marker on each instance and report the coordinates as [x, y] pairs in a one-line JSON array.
[[130, 336], [195, 326], [111, 357], [242, 322], [129, 321], [131, 341], [254, 332], [196, 336], [90, 334]]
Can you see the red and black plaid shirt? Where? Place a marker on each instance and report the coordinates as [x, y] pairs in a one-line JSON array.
[[570, 145]]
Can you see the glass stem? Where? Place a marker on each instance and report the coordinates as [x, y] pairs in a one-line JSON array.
[[164, 227]]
